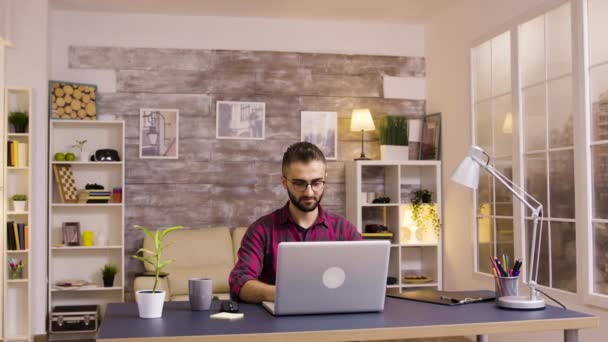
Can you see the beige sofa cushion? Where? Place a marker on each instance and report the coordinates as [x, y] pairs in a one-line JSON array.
[[178, 278], [237, 236], [206, 252]]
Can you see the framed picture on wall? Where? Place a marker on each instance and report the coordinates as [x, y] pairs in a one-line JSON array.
[[430, 144], [320, 128], [240, 120], [158, 133]]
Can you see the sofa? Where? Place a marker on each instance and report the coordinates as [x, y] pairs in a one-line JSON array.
[[197, 253]]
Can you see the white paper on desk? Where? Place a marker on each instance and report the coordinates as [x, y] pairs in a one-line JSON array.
[[228, 315]]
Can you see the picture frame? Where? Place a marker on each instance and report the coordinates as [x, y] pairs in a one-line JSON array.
[[66, 184], [240, 120], [321, 129], [430, 142], [158, 133], [72, 100], [71, 233]]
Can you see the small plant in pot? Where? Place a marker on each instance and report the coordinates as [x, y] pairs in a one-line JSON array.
[[393, 138], [107, 273], [150, 302], [19, 120], [83, 154], [424, 211], [19, 201]]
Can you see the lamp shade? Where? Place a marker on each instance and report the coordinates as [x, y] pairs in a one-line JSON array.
[[361, 120], [467, 173]]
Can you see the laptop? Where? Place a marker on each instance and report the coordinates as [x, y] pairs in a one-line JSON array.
[[318, 277]]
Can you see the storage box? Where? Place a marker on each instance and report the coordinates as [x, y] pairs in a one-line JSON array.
[[73, 318]]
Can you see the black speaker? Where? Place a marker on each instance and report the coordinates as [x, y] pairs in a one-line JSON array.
[[105, 155]]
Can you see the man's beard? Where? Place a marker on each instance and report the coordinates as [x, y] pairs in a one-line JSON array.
[[299, 202]]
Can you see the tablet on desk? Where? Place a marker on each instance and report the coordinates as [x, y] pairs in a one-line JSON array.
[[445, 297]]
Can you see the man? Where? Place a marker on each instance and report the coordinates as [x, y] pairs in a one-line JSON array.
[[301, 219]]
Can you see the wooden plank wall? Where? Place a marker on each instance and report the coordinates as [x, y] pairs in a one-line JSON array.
[[233, 182]]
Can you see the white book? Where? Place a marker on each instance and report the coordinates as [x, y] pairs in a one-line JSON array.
[[22, 150]]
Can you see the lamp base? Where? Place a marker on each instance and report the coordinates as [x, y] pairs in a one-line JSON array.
[[362, 158], [521, 303]]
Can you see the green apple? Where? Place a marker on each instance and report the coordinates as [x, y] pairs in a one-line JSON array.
[[59, 156], [70, 156]]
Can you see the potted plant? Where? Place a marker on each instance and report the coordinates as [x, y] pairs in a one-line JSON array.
[[393, 138], [83, 155], [424, 212], [19, 201], [107, 273], [19, 120], [150, 302]]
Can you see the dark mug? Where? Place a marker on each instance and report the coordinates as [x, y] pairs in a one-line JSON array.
[[200, 293]]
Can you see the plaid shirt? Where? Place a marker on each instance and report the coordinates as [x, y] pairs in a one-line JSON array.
[[258, 251]]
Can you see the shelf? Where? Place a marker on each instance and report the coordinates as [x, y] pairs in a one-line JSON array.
[[398, 162], [419, 285], [86, 248], [75, 162], [396, 286], [17, 338], [381, 205], [20, 251], [435, 244], [17, 213], [87, 204], [87, 288], [18, 135], [85, 122], [13, 281], [16, 168]]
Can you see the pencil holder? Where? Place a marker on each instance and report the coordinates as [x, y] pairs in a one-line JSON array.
[[506, 286]]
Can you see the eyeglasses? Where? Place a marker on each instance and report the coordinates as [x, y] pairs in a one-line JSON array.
[[301, 186]]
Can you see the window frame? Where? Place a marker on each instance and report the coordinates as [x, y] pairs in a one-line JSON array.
[[581, 104]]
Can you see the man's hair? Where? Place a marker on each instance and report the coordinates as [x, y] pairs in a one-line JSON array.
[[301, 152]]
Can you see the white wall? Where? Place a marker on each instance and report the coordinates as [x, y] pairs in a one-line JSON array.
[[26, 66], [34, 29], [449, 36], [190, 32]]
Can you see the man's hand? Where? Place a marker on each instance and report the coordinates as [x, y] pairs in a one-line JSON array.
[[255, 291]]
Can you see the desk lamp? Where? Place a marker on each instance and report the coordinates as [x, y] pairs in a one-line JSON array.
[[467, 174], [361, 120]]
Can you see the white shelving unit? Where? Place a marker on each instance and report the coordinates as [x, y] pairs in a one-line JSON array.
[[105, 220], [413, 253], [16, 299]]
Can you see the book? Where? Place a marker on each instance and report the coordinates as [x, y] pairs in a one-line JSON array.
[[9, 153], [16, 236], [10, 236], [26, 233], [373, 236], [22, 154], [14, 149], [21, 229]]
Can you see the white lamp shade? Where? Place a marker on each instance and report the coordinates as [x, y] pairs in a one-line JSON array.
[[467, 173], [361, 120]]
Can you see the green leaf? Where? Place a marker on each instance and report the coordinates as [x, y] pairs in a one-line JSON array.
[[169, 230], [145, 251]]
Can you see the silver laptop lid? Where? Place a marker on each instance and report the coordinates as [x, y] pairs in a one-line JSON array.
[[331, 276]]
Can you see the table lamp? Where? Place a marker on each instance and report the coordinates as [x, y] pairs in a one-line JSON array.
[[361, 120], [467, 174]]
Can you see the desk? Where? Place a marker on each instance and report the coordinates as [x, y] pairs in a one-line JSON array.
[[400, 319]]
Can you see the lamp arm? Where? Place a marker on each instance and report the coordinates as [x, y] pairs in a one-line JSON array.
[[537, 217], [515, 190]]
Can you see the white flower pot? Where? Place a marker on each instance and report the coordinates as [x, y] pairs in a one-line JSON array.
[[84, 156], [394, 152], [150, 304], [19, 206]]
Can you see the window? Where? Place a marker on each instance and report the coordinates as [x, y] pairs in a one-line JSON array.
[[548, 146], [493, 120], [598, 109]]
